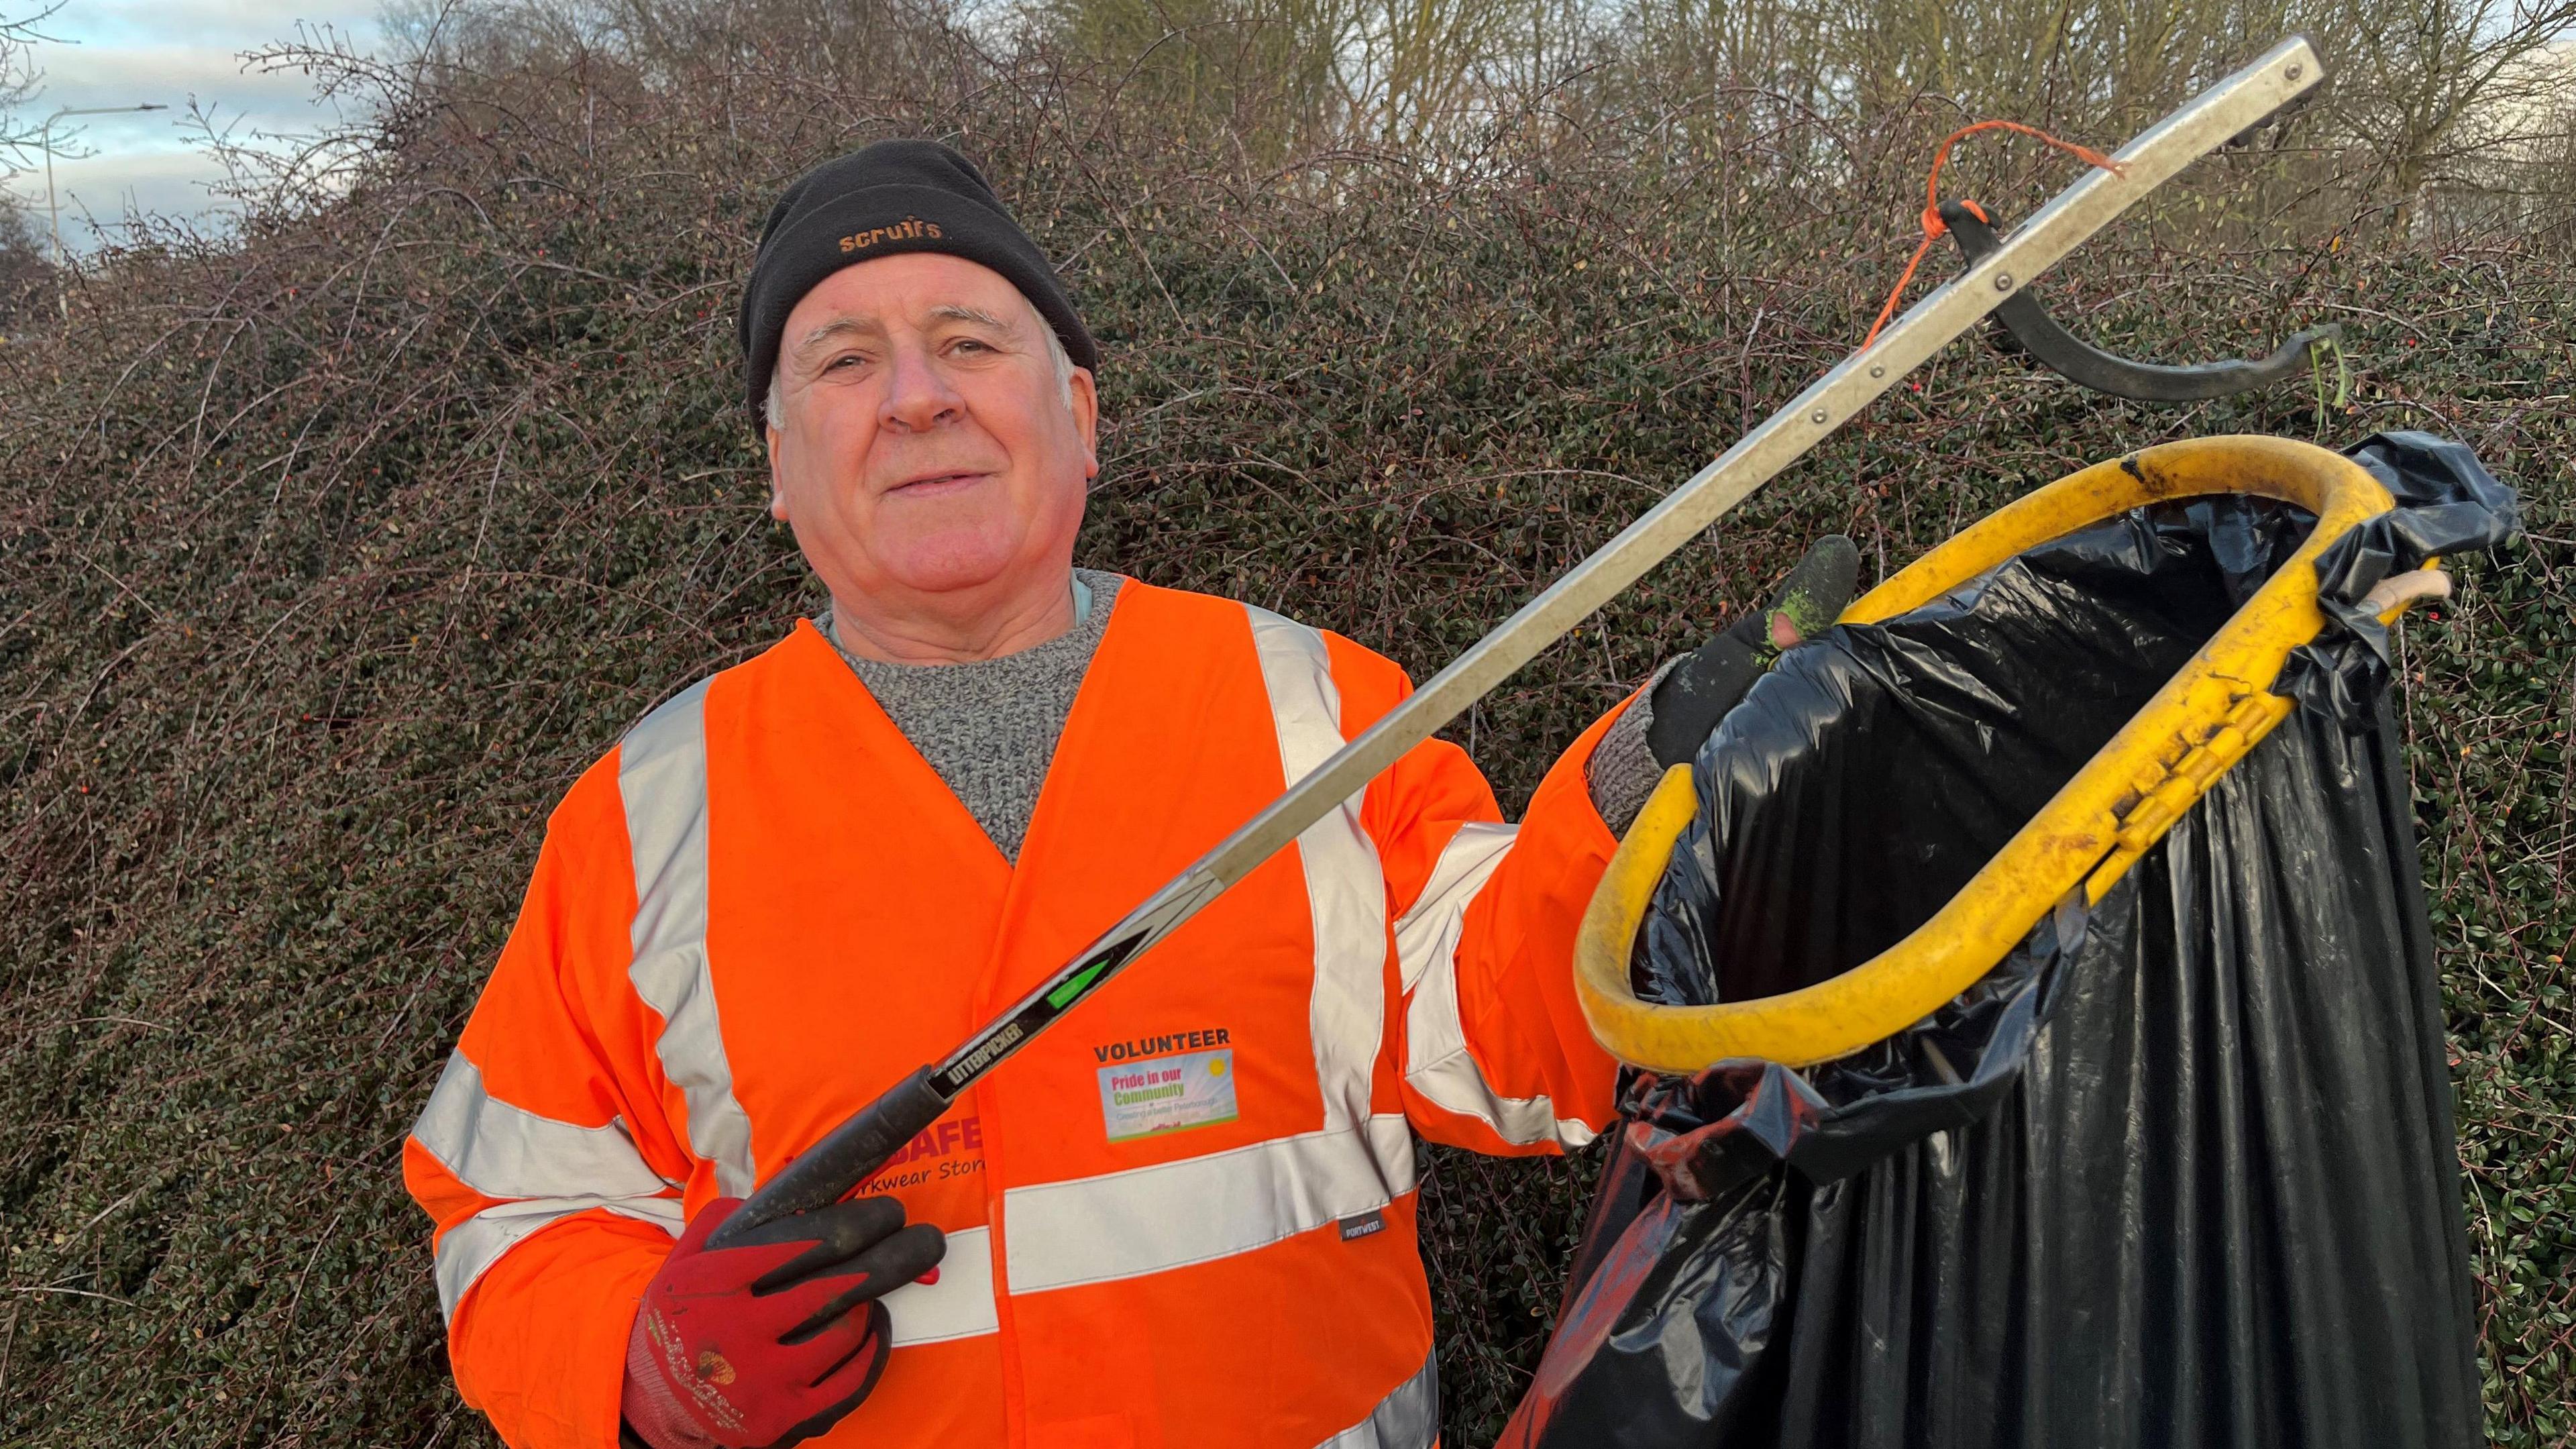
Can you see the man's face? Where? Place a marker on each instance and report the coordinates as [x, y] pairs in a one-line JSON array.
[[927, 445]]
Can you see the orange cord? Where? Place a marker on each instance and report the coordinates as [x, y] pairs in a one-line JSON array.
[[1934, 228]]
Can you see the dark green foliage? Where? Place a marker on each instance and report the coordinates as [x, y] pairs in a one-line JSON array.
[[327, 561]]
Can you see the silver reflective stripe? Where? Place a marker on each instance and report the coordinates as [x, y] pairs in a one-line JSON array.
[[501, 1150], [1149, 1219], [1437, 1063], [662, 777], [959, 1305], [470, 1247], [1408, 1418], [1345, 890]]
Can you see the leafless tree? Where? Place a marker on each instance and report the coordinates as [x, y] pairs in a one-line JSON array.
[[2432, 87], [21, 82], [26, 274]]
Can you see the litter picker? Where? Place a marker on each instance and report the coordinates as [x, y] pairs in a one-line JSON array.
[[856, 1149]]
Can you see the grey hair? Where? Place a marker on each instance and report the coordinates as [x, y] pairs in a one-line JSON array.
[[776, 412]]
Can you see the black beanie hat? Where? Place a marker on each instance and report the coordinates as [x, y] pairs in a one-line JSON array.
[[889, 197]]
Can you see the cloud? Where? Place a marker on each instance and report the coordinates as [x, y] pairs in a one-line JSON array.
[[120, 53], [96, 194], [205, 24], [172, 75]]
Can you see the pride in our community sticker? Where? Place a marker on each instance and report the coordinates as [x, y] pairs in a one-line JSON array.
[[1165, 1094]]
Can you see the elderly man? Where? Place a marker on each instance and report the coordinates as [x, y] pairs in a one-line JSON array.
[[1184, 1218]]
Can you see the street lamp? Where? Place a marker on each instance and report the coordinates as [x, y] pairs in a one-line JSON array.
[[53, 213]]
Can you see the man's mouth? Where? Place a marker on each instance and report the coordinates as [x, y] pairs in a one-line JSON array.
[[929, 483]]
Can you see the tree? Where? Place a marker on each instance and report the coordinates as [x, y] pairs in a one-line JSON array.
[[21, 82], [1264, 71], [26, 276], [2429, 87]]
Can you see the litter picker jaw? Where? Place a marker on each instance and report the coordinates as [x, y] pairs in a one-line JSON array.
[[2062, 352], [855, 1150]]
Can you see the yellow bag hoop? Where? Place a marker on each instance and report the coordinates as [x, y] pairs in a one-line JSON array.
[[2125, 798]]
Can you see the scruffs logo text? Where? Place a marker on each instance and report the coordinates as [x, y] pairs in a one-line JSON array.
[[910, 228], [1155, 1046]]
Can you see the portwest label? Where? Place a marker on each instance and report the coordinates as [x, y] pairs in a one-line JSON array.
[[1166, 1094]]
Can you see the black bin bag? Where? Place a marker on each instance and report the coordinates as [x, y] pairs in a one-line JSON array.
[[2179, 1171]]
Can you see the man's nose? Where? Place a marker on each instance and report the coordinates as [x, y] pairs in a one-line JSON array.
[[917, 395]]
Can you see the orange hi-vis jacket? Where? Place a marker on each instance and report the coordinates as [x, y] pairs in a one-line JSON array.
[[1185, 1216]]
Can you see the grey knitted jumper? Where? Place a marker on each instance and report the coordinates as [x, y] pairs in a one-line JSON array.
[[989, 726]]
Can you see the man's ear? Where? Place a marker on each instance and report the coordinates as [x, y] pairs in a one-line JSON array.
[[777, 489], [1086, 419]]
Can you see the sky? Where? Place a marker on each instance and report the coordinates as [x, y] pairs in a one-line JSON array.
[[124, 52]]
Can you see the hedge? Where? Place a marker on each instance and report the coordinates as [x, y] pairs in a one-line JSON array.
[[330, 552]]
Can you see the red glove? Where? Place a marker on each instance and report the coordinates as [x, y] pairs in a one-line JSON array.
[[769, 1342]]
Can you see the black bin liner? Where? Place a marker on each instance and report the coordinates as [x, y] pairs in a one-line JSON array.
[[2178, 1172]]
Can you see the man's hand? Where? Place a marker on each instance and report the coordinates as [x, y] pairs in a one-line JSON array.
[[1692, 693], [767, 1343], [1698, 691]]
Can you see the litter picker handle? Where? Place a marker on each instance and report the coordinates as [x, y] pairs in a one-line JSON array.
[[850, 1155]]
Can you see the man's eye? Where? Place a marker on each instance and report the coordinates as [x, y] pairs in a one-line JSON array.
[[965, 342]]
